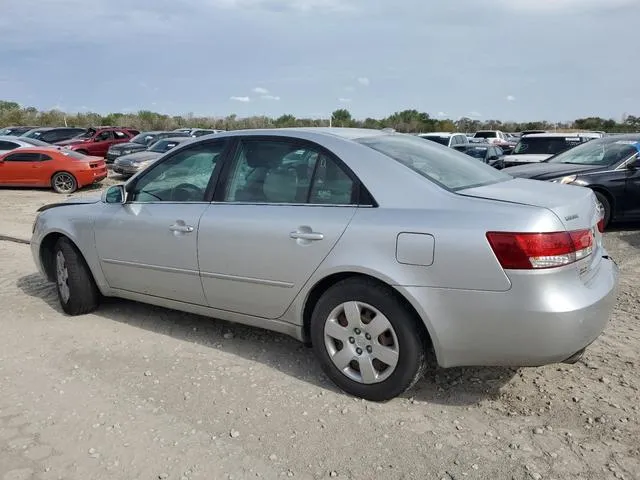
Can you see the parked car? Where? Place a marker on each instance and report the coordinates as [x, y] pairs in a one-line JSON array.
[[96, 141], [198, 132], [491, 136], [54, 134], [63, 170], [610, 166], [536, 147], [14, 131], [445, 138], [8, 143], [139, 143], [489, 154], [416, 249], [132, 163]]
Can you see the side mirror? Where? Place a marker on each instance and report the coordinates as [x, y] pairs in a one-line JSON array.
[[114, 194]]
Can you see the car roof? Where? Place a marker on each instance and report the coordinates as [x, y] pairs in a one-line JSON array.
[[559, 135], [440, 134]]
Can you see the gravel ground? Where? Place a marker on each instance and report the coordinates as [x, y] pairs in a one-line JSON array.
[[138, 392]]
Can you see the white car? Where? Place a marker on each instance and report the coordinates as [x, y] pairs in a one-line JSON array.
[[446, 138], [491, 136], [538, 147], [8, 143]]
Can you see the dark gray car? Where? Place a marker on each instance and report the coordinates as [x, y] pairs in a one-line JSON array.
[[140, 143], [132, 163]]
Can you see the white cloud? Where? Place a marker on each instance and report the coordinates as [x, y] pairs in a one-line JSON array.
[[364, 81], [474, 114], [240, 99], [270, 97], [280, 5], [511, 98], [442, 114], [261, 91], [344, 100]]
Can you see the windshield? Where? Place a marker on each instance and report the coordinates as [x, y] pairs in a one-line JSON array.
[[476, 152], [485, 135], [599, 152], [163, 146], [88, 134], [444, 166], [545, 145], [437, 139], [35, 142], [144, 138]]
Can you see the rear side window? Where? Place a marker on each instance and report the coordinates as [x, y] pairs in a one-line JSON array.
[[443, 166], [8, 145], [545, 145], [23, 157]]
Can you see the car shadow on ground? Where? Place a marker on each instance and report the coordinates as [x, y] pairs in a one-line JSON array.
[[455, 386]]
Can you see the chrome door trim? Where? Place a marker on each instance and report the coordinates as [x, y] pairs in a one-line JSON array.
[[146, 266], [238, 278]]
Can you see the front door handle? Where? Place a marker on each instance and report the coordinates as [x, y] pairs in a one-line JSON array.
[[182, 228], [305, 234]]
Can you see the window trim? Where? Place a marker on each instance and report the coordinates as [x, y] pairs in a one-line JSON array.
[[359, 193], [208, 194]]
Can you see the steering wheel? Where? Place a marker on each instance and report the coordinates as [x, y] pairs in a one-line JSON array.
[[187, 192]]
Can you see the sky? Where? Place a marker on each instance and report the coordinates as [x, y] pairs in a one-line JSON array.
[[514, 60]]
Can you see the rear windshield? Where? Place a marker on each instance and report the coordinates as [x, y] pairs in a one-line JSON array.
[[545, 145], [90, 132], [437, 139], [35, 142], [599, 152], [444, 166], [476, 152], [485, 135]]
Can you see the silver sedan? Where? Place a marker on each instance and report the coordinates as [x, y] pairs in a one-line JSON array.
[[8, 143], [379, 249]]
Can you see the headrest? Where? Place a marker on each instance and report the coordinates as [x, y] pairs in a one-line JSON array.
[[266, 154], [281, 186]]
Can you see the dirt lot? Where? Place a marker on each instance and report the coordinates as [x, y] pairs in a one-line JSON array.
[[137, 392]]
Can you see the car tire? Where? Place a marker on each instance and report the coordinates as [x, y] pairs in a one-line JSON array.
[[372, 308], [64, 182], [77, 290], [606, 206]]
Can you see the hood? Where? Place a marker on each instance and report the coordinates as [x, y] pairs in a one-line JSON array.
[[526, 158], [127, 146], [72, 141], [137, 157], [548, 171], [83, 200], [575, 206]]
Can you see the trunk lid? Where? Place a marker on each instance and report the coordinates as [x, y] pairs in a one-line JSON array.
[[575, 206]]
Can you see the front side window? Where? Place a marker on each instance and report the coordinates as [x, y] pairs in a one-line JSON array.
[[443, 166], [104, 136], [282, 171], [183, 177]]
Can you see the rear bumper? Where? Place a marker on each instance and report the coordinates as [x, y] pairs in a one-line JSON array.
[[537, 322], [89, 177]]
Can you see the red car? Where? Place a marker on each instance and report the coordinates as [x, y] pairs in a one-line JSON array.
[[63, 170], [96, 141]]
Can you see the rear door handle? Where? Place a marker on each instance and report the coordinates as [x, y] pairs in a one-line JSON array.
[[181, 228], [314, 236]]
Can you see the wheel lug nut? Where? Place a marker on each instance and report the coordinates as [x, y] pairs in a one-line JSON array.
[[367, 336], [369, 349], [359, 351], [352, 340], [357, 331]]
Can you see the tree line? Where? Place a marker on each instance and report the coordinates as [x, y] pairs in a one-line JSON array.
[[408, 121]]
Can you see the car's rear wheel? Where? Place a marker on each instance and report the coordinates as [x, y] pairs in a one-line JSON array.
[[367, 340], [64, 182], [605, 205], [77, 290]]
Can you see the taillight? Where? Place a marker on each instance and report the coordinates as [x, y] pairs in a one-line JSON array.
[[527, 251]]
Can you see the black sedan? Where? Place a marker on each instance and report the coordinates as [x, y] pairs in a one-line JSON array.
[[485, 152], [610, 166]]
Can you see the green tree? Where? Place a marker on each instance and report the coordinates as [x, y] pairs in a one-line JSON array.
[[341, 118]]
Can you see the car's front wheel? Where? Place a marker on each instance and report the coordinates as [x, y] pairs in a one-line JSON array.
[[605, 205], [64, 182], [76, 287], [368, 342]]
